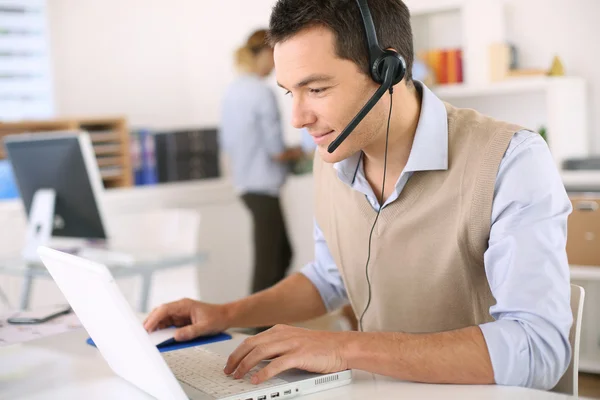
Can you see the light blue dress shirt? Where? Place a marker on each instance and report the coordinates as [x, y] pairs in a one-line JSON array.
[[525, 263], [251, 135]]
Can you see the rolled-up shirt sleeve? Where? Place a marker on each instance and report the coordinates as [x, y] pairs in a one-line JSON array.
[[527, 269], [324, 274]]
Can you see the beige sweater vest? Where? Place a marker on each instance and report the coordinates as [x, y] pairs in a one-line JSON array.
[[426, 270]]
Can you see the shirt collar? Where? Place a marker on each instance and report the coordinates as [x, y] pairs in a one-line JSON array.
[[429, 151]]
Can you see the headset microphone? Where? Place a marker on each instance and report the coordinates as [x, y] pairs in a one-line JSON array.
[[386, 67], [387, 84]]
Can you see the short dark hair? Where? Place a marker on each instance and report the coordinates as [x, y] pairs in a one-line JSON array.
[[342, 17]]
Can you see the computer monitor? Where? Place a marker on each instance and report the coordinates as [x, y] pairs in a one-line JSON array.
[[60, 185]]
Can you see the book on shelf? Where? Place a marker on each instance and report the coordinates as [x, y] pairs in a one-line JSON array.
[[445, 65], [187, 155], [143, 158]]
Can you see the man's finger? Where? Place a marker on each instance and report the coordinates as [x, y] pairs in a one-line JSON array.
[[148, 316], [239, 353], [164, 324], [189, 332], [156, 317], [263, 352], [246, 347], [277, 366]]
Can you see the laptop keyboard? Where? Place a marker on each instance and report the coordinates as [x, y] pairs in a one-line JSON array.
[[203, 370]]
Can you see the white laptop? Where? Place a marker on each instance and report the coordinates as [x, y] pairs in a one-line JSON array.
[[192, 372]]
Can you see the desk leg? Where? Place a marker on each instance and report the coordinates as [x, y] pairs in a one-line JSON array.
[[146, 282], [26, 292], [4, 299]]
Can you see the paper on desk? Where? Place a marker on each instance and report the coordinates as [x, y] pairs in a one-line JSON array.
[[12, 333]]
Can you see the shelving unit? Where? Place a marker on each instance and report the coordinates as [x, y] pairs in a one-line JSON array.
[[509, 86], [557, 103], [471, 25], [110, 139]]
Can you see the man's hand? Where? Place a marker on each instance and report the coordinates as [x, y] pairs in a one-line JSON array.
[[289, 347], [195, 317]]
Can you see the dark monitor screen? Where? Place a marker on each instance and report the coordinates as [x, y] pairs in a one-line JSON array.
[[56, 161]]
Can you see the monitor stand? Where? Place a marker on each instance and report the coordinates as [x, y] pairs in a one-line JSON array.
[[39, 223]]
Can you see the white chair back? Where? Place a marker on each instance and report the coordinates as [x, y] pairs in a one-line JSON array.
[[165, 232], [569, 383]]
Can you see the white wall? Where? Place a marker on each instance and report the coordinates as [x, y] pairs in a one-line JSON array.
[[165, 64], [162, 64]]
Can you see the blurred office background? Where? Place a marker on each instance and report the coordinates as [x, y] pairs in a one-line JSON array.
[[146, 79]]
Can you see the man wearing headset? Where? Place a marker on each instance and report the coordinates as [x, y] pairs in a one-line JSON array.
[[456, 269]]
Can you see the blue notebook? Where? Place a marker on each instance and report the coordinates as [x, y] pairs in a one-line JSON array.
[[171, 344]]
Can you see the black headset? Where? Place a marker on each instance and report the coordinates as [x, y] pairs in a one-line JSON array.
[[386, 67]]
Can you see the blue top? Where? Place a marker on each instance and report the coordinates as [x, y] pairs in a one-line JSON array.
[[250, 134], [526, 262], [307, 143]]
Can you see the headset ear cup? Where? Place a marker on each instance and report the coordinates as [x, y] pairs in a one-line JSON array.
[[401, 70], [389, 59]]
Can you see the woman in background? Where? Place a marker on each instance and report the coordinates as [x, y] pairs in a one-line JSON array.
[[252, 137]]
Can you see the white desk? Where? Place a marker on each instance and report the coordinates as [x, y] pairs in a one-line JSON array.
[[65, 367]]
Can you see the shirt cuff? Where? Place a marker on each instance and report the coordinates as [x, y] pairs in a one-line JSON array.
[[331, 299], [508, 348]]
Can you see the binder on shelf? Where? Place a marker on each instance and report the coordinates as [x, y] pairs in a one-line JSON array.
[[445, 65], [187, 155], [143, 157], [454, 66]]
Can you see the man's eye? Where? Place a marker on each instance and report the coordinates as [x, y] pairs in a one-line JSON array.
[[317, 91], [288, 92]]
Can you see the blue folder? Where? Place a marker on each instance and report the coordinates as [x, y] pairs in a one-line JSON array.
[[171, 344], [8, 186]]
